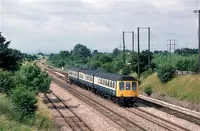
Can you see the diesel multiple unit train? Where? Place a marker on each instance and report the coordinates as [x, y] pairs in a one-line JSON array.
[[121, 89]]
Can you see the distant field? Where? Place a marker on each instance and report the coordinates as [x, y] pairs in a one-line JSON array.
[[185, 87]]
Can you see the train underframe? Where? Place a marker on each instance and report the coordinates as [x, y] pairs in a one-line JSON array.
[[125, 101]]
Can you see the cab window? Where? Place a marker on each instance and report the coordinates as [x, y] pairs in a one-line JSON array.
[[133, 85], [121, 85], [128, 86]]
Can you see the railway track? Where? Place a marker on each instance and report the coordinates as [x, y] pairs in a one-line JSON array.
[[145, 115], [122, 121], [73, 121], [113, 116], [157, 120], [178, 114], [173, 112]]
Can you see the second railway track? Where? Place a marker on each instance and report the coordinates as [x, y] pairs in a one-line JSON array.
[[176, 113], [74, 122], [157, 120]]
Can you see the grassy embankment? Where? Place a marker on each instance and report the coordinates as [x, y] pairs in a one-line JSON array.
[[185, 88], [10, 118]]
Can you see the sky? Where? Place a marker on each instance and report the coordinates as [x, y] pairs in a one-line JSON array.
[[54, 25]]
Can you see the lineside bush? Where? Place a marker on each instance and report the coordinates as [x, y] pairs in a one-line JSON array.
[[33, 78], [126, 70], [166, 73], [6, 81], [24, 100], [148, 90]]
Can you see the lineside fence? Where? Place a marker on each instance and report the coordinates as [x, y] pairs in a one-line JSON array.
[[178, 72]]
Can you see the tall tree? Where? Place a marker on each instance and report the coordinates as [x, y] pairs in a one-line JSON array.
[[64, 54], [9, 58], [116, 52], [81, 51], [95, 52]]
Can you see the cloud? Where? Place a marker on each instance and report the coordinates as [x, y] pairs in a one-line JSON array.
[[54, 25]]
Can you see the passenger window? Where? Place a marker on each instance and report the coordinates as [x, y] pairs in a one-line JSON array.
[[114, 85], [121, 85], [128, 86], [133, 85]]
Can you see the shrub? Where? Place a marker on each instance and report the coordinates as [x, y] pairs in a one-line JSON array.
[[32, 76], [94, 64], [108, 67], [148, 90], [126, 70], [193, 65], [24, 100], [61, 63], [118, 65], [166, 73], [183, 65], [6, 81], [180, 65]]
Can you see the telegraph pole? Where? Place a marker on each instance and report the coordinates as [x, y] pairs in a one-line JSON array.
[[133, 39], [138, 32], [124, 55], [175, 45], [149, 59], [170, 44], [1, 16], [149, 42], [198, 11], [124, 49]]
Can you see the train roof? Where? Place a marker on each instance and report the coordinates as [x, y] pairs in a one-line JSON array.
[[74, 69], [89, 72], [114, 77], [84, 70], [108, 76]]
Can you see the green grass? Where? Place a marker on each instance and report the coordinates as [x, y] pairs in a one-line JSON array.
[[185, 87], [6, 124], [10, 119]]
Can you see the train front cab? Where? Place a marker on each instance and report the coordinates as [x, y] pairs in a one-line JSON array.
[[127, 92]]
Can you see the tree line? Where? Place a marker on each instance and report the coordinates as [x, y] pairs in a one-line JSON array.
[[81, 56], [161, 61]]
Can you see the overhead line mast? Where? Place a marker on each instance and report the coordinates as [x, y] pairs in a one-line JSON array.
[[198, 11], [172, 44]]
